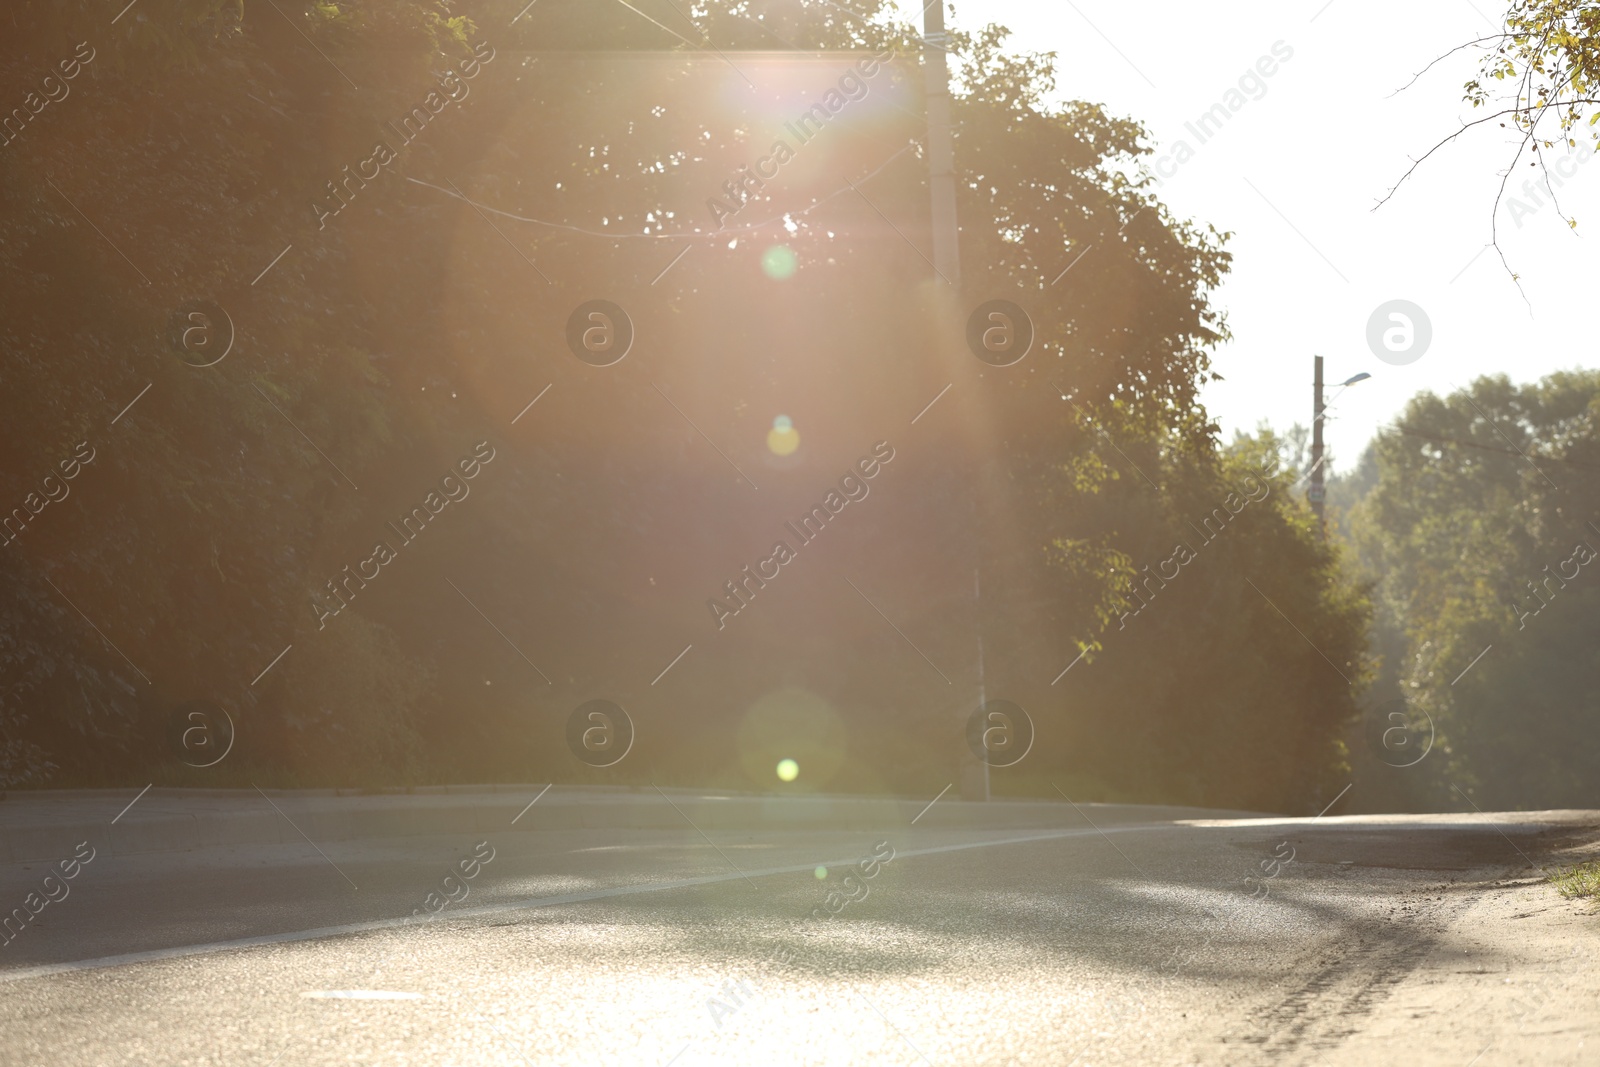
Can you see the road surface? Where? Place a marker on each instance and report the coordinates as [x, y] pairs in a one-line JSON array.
[[1122, 937]]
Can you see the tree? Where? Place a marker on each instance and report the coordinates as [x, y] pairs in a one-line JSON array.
[[1481, 532], [411, 314], [192, 537], [1540, 76]]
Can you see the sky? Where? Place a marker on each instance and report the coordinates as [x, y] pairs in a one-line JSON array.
[[1296, 174]]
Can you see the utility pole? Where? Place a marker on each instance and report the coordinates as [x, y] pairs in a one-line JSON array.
[[971, 772], [941, 154], [1315, 493], [974, 773]]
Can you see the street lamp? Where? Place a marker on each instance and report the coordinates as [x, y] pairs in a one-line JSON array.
[[1316, 493]]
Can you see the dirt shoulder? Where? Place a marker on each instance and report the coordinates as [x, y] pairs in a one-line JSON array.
[[1505, 968]]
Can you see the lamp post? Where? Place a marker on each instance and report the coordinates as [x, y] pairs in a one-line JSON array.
[[1317, 493], [941, 155], [971, 772]]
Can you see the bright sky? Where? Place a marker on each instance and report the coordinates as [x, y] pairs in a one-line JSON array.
[[1296, 173]]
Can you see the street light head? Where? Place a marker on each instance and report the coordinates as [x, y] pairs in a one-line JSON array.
[[1363, 376]]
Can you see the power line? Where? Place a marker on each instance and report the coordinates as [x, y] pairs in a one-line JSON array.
[[1490, 448]]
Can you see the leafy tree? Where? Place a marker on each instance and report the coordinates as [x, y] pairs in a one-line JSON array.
[[182, 555], [1232, 652], [1484, 502], [431, 309], [1539, 76]]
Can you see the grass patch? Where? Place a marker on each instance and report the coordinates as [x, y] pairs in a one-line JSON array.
[[1580, 881]]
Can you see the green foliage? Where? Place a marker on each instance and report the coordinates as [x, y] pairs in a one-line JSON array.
[[1474, 529], [193, 518], [393, 336], [1541, 75], [1549, 52], [352, 705], [1230, 678]]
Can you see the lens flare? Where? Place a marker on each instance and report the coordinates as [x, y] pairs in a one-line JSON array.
[[783, 422], [791, 728], [783, 440], [779, 262], [821, 873]]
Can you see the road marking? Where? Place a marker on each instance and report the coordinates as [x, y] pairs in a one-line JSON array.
[[210, 948]]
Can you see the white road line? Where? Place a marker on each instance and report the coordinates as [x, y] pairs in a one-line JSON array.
[[210, 948]]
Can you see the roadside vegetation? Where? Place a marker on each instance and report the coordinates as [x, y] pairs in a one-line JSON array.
[[1070, 533], [1580, 881]]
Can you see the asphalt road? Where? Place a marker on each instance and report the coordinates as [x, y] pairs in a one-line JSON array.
[[1131, 940]]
